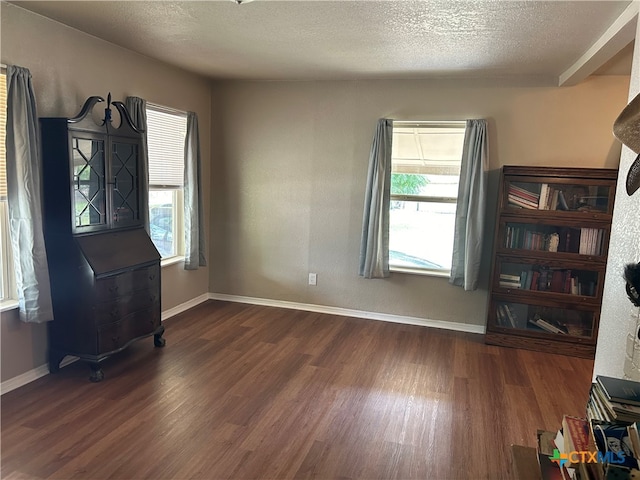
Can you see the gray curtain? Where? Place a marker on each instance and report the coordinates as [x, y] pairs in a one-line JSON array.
[[138, 110], [25, 199], [374, 246], [194, 244], [470, 212]]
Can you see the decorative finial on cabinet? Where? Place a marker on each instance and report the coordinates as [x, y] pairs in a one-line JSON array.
[[107, 111]]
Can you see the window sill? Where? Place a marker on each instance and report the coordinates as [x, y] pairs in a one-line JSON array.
[[6, 305], [418, 271], [165, 262]]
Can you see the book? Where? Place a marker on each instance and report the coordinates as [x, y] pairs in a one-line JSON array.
[[577, 435], [523, 192], [509, 277], [509, 314], [562, 203], [549, 325], [543, 201], [557, 281], [634, 437], [522, 202], [620, 390]]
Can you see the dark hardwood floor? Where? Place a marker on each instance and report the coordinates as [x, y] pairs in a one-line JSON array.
[[250, 392]]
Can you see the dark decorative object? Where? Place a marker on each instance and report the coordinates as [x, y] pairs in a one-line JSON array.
[[104, 269], [632, 276], [626, 128]]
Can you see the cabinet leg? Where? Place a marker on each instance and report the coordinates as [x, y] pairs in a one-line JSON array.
[[158, 341], [54, 361], [96, 372]]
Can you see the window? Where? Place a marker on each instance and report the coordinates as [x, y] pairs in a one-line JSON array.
[[166, 133], [425, 171], [7, 281]]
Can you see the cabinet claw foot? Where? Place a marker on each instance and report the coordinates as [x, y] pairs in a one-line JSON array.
[[96, 373], [158, 341]]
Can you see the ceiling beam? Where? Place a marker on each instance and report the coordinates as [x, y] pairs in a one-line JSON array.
[[618, 35]]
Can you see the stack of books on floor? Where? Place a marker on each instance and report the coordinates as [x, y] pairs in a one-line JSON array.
[[603, 446]]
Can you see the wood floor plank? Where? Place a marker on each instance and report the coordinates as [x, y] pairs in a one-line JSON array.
[[244, 392]]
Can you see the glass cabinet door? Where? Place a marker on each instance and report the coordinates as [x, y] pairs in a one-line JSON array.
[[547, 278], [554, 238], [89, 201], [543, 319], [125, 202], [583, 196]]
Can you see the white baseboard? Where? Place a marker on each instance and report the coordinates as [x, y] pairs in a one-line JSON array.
[[385, 317], [42, 370], [183, 307], [30, 376]]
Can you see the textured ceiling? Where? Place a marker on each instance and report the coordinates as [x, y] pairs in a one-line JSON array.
[[298, 39]]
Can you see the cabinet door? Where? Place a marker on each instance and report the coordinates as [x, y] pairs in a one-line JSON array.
[[590, 197], [552, 321], [88, 187], [125, 192]]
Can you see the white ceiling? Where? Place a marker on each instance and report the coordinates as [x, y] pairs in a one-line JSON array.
[[557, 42]]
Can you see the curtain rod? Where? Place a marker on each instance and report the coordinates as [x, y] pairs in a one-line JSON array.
[[430, 122]]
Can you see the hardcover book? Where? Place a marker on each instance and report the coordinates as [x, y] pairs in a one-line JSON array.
[[620, 390]]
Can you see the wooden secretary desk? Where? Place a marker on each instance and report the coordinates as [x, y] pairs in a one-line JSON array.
[[103, 267]]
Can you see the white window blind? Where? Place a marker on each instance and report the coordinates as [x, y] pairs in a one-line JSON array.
[[3, 129], [428, 148], [166, 132]]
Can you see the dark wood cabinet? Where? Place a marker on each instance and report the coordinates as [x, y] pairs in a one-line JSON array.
[[550, 256], [104, 268]]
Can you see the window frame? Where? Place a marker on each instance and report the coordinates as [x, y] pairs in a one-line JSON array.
[[461, 124], [8, 288], [178, 191]]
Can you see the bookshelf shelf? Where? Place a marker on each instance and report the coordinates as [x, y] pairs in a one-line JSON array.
[[550, 254]]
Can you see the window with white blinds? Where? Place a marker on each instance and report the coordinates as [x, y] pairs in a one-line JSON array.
[[425, 172], [166, 133]]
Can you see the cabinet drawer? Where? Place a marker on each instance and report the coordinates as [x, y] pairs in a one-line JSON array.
[[128, 282], [110, 312], [114, 336]]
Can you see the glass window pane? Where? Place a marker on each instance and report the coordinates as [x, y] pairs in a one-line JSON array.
[[162, 221], [421, 234]]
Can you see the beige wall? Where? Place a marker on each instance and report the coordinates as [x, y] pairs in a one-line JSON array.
[[67, 67], [291, 162]]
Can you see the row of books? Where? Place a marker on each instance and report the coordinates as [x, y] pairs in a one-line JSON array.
[[614, 400], [551, 280], [506, 316], [585, 241], [548, 198], [591, 241], [551, 198], [524, 238]]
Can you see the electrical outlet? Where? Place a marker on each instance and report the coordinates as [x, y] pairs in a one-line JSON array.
[[313, 279]]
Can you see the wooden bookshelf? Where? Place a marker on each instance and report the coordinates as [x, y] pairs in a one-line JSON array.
[[550, 255]]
